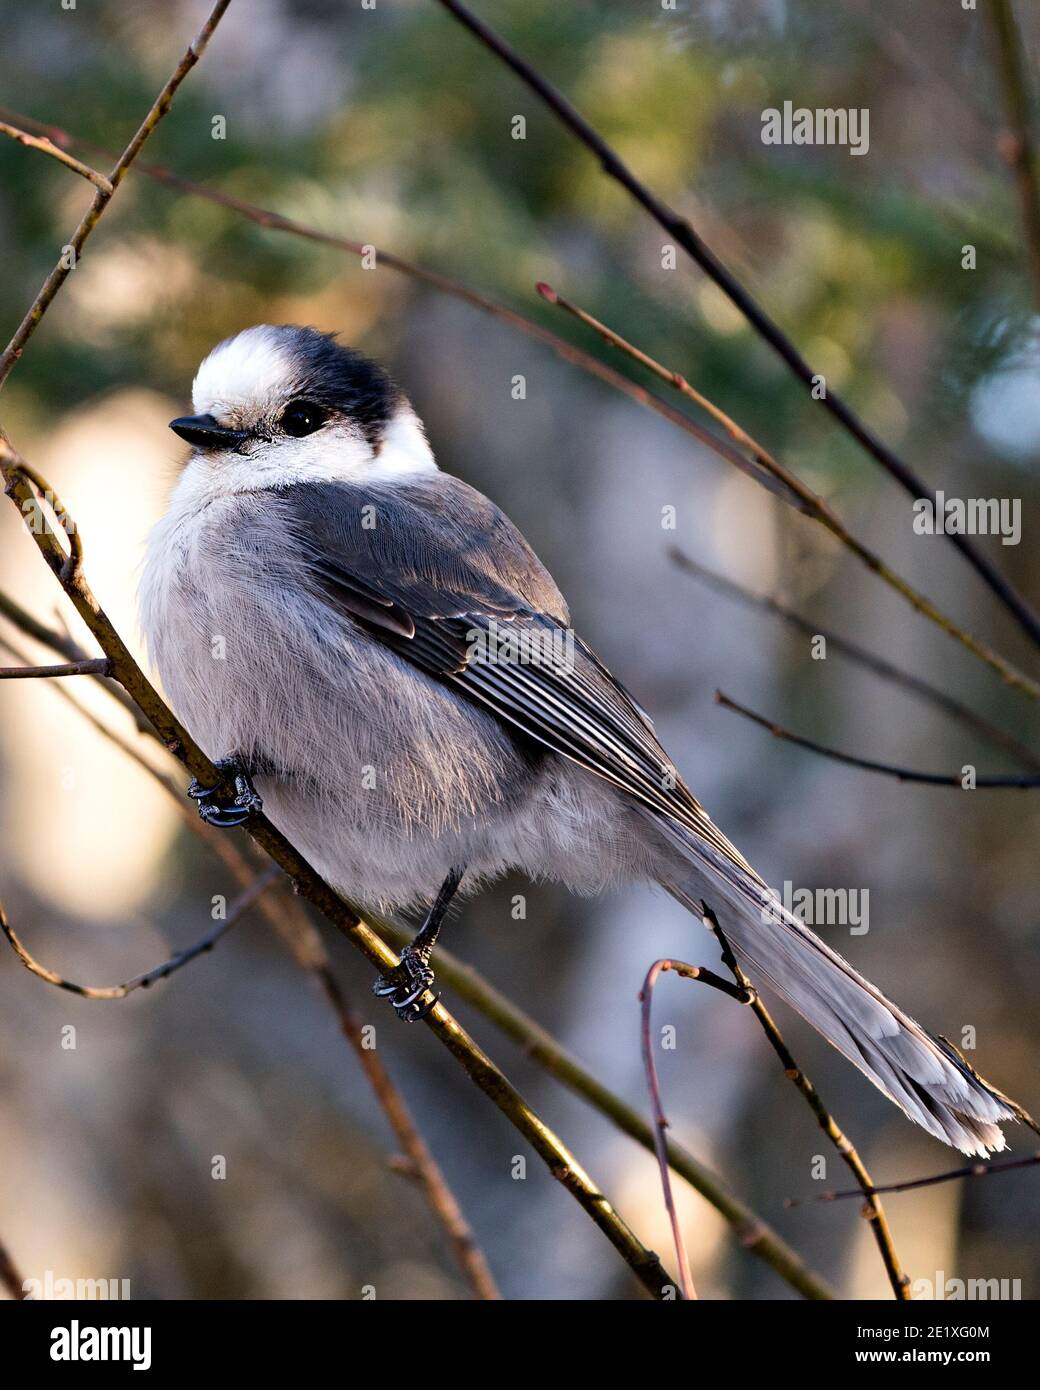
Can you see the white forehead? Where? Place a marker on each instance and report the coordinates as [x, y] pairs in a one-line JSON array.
[[253, 369]]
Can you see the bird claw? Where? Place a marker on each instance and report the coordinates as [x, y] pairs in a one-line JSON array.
[[210, 800], [405, 985]]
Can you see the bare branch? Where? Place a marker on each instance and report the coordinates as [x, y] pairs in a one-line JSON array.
[[235, 913], [870, 661], [809, 502], [972, 1170], [94, 666], [688, 972], [45, 146], [103, 196], [566, 351], [68, 647], [1002, 781], [686, 237], [22, 619]]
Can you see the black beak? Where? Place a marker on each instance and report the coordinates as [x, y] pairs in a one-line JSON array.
[[204, 432]]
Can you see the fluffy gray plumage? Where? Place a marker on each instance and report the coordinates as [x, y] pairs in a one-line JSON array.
[[322, 606]]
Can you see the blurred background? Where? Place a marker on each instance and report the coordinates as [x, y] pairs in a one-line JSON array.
[[391, 126]]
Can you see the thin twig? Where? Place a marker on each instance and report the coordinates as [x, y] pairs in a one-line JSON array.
[[560, 1161], [812, 505], [661, 1124], [93, 666], [873, 1211], [972, 1170], [71, 253], [40, 632], [235, 913], [870, 661], [68, 647], [685, 236], [566, 351], [45, 146], [1018, 147], [1019, 781]]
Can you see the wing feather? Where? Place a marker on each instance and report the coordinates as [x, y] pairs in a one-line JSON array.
[[435, 576]]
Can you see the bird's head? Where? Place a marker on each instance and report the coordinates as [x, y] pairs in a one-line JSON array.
[[274, 405]]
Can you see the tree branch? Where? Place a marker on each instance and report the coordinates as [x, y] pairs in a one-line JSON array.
[[45, 146], [685, 236], [238, 909], [973, 1170], [103, 196], [811, 504], [93, 666], [661, 1123], [307, 947], [444, 284], [1003, 781], [870, 661]]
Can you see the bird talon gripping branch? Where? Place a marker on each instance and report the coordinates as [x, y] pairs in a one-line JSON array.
[[213, 805], [405, 986]]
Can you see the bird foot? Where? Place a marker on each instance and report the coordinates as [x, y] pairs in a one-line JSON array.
[[405, 985], [214, 805]]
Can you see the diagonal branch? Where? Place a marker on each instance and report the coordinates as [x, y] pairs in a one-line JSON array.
[[444, 284], [685, 236], [971, 1170], [1001, 781], [869, 660], [238, 909], [809, 502], [103, 196], [482, 1071], [45, 146]]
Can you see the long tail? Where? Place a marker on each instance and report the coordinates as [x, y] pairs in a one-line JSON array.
[[925, 1076]]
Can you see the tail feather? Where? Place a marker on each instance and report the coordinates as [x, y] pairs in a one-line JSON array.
[[925, 1076]]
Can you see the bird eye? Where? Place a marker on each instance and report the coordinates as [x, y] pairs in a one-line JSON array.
[[302, 417]]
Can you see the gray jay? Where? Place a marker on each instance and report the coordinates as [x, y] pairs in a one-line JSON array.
[[371, 647]]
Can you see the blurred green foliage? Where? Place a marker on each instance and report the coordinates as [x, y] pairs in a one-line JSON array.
[[407, 143]]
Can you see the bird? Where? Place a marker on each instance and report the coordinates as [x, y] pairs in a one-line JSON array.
[[374, 656]]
